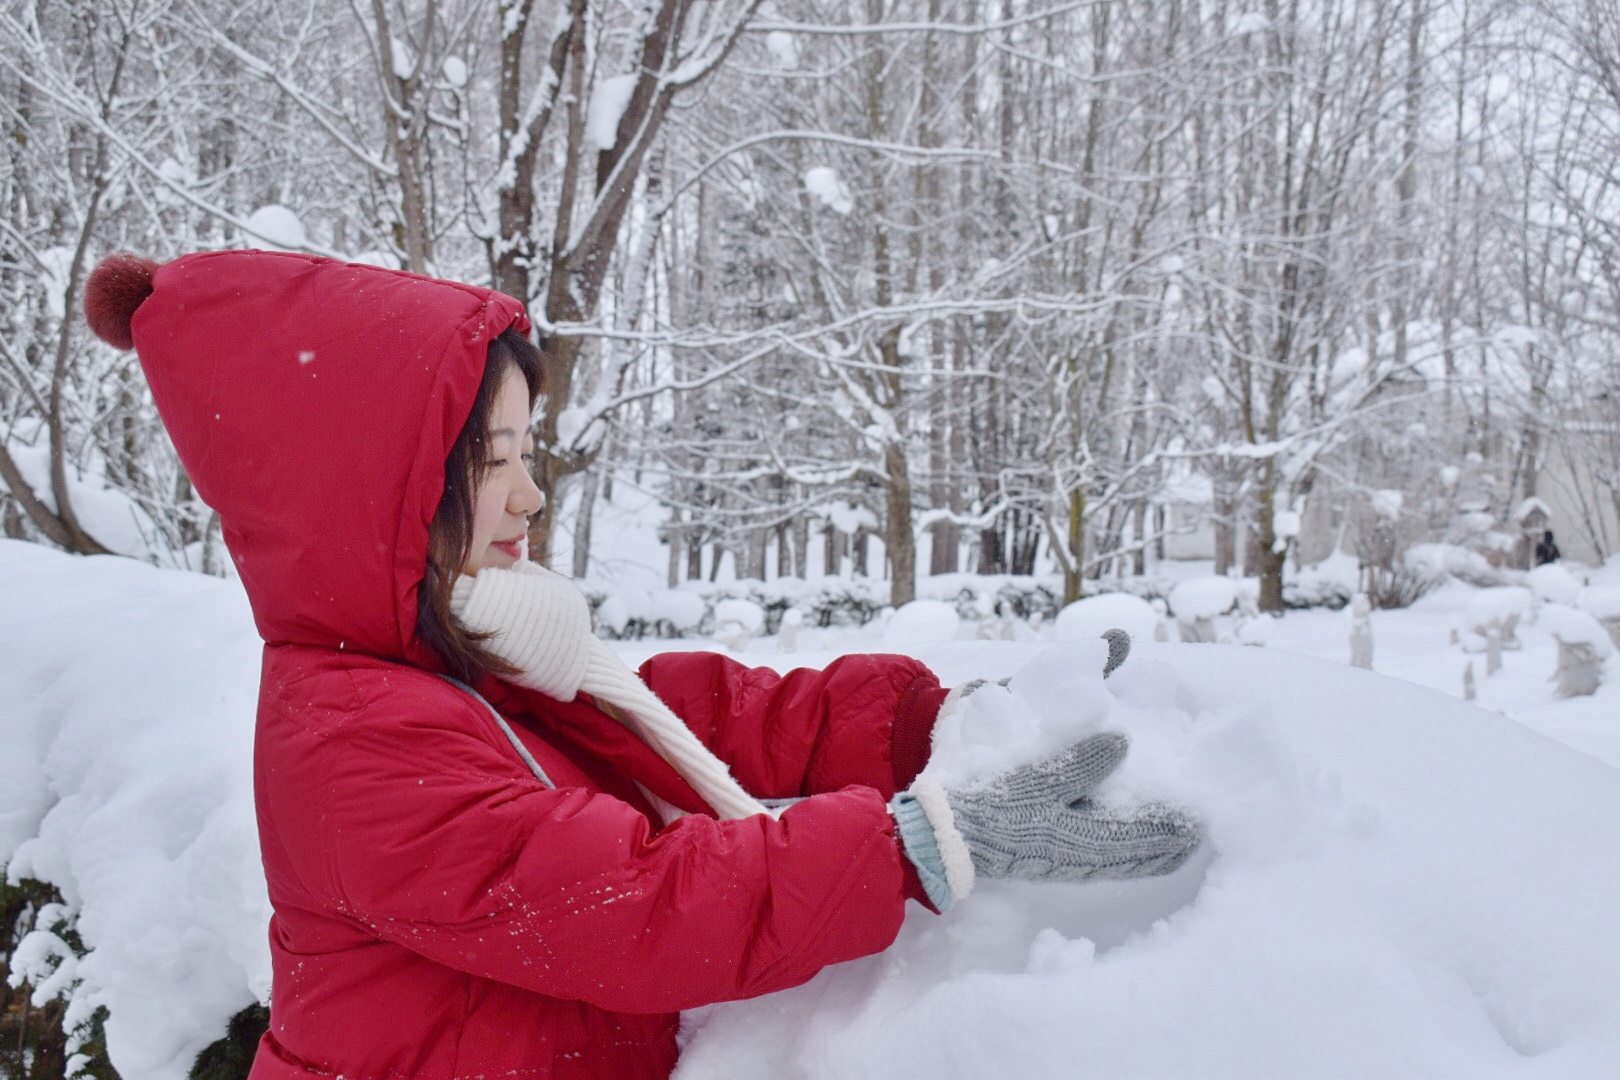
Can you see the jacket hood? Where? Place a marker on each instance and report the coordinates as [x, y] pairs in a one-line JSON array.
[[313, 403]]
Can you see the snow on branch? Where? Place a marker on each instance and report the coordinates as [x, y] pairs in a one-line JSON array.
[[847, 29]]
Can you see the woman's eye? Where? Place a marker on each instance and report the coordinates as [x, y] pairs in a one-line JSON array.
[[498, 463], [529, 457]]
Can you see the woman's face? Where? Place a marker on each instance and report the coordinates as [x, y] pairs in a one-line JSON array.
[[506, 496]]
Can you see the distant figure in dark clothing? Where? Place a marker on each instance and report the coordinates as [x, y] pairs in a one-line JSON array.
[[1546, 550]]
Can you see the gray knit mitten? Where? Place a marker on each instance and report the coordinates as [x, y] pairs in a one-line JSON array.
[[1038, 822]]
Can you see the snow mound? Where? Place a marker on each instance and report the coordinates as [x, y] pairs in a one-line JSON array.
[[1203, 598], [1363, 907], [1086, 619], [1394, 883], [1486, 606], [126, 743], [1600, 602], [921, 622], [1553, 584]]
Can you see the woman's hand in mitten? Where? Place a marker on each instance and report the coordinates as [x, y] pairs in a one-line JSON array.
[[536, 620], [1038, 822]]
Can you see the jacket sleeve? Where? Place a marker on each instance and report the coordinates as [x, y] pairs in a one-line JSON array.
[[415, 824], [866, 719]]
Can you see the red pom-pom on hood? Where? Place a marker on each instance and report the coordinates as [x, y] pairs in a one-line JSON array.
[[116, 288]]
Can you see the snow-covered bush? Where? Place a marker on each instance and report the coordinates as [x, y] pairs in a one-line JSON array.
[[921, 622], [1553, 584], [688, 611], [1583, 647], [1603, 604], [1085, 620]]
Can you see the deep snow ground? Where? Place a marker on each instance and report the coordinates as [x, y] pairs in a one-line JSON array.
[[1396, 883]]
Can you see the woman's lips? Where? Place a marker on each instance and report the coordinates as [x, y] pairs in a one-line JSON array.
[[514, 548]]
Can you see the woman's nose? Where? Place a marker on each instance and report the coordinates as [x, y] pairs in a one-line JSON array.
[[526, 498]]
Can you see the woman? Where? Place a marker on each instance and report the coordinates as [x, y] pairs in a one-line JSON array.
[[491, 849]]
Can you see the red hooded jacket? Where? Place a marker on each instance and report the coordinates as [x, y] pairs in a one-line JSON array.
[[439, 911]]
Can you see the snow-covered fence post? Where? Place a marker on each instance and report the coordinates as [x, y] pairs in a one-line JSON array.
[[1493, 649], [1468, 681], [1361, 640]]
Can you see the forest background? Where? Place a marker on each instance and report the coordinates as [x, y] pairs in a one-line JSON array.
[[1006, 286]]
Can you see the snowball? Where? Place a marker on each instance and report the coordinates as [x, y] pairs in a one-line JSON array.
[[1203, 597], [1575, 627], [1085, 620], [1553, 584], [1056, 698], [823, 183], [921, 622], [608, 103], [276, 228]]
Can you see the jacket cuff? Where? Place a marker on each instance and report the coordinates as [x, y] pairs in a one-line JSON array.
[[912, 737]]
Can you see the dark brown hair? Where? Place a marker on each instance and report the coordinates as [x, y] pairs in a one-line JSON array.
[[450, 534]]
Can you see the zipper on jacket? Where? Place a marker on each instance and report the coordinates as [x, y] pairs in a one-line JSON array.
[[506, 729]]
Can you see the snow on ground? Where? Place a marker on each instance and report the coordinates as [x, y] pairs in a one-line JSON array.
[[1396, 883]]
